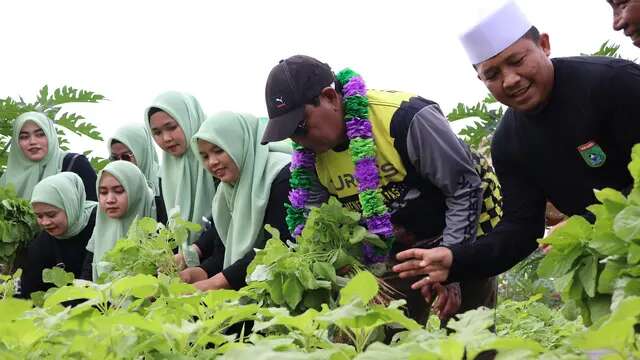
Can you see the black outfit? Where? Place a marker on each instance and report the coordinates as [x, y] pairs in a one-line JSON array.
[[46, 251], [213, 249], [79, 164], [541, 156], [161, 209]]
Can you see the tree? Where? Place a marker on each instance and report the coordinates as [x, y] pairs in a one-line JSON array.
[[51, 103]]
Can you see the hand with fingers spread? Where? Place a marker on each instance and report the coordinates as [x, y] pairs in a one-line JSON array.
[[435, 263], [447, 301]]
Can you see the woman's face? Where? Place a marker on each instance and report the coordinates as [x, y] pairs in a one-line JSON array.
[[120, 151], [51, 219], [218, 162], [168, 134], [112, 196], [33, 141]]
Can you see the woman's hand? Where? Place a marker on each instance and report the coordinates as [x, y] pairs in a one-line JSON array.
[[218, 281], [193, 274]]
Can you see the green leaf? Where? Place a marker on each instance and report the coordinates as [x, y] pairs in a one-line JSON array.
[[612, 199], [292, 291], [11, 309], [627, 223], [363, 286], [556, 264], [608, 277], [57, 276], [608, 244], [139, 286], [306, 278], [74, 122], [588, 274], [68, 293], [634, 254], [634, 165], [325, 271]]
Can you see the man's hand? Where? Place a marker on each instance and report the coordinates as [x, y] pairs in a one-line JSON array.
[[218, 281], [193, 274], [448, 299], [546, 247], [435, 263]]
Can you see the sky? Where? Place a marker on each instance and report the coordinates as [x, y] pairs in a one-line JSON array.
[[222, 51]]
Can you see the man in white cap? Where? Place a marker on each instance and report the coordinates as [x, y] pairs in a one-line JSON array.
[[569, 129]]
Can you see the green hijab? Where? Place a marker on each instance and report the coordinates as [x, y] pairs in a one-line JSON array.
[[238, 209], [141, 204], [138, 139], [23, 173], [185, 183], [66, 191]]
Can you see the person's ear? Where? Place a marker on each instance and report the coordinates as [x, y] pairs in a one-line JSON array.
[[332, 96], [545, 44]]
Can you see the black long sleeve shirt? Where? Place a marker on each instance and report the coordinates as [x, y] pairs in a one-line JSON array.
[[46, 251], [555, 153], [79, 164], [213, 249]]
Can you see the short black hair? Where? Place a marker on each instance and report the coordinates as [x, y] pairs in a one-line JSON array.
[[532, 34]]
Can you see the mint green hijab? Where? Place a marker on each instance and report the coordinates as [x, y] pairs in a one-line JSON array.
[[141, 204], [238, 209], [23, 173], [66, 191], [184, 182], [137, 138]]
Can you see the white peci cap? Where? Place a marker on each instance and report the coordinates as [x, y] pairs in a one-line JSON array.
[[495, 32]]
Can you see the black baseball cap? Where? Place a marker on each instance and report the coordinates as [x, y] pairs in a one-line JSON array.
[[292, 83]]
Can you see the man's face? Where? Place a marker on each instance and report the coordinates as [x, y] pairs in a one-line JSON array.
[[323, 127], [521, 76], [626, 17]]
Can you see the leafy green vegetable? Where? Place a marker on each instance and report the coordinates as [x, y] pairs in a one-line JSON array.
[[17, 226], [147, 249]]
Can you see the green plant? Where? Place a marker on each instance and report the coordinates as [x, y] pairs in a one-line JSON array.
[[596, 266], [147, 249], [17, 226], [488, 113], [50, 104], [303, 275]]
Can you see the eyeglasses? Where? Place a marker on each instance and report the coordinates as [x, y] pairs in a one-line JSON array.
[[127, 156], [301, 129]]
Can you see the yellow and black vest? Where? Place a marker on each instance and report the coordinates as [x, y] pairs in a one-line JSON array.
[[415, 203]]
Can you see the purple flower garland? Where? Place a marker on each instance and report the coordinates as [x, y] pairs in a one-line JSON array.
[[363, 154]]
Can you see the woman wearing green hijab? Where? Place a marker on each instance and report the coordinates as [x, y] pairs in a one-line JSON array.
[[35, 154], [254, 186], [133, 143], [173, 118], [123, 196], [67, 219]]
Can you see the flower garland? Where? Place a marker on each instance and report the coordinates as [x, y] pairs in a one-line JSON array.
[[363, 154]]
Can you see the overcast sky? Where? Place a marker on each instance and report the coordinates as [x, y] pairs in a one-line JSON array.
[[222, 51]]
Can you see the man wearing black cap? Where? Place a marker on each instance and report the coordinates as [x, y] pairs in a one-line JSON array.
[[433, 184]]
